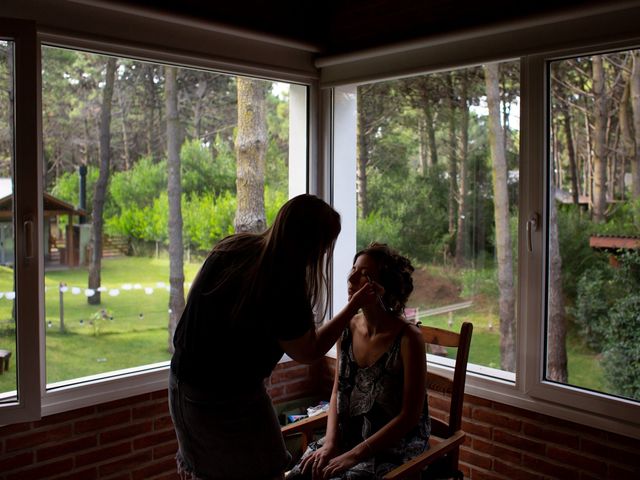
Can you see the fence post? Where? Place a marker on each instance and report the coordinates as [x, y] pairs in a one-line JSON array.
[[62, 284]]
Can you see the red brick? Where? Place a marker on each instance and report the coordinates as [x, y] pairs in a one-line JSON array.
[[515, 441], [163, 423], [38, 437], [123, 402], [87, 474], [125, 433], [475, 459], [8, 463], [103, 453], [46, 470], [476, 474], [286, 375], [167, 450], [65, 417], [66, 448], [167, 476], [477, 401], [160, 394], [438, 402], [520, 412], [505, 454], [124, 464], [149, 471], [496, 419], [582, 462], [630, 472], [102, 421], [514, 472], [472, 428], [554, 470], [9, 430], [550, 435], [605, 451], [276, 393], [151, 410], [154, 439], [301, 387]]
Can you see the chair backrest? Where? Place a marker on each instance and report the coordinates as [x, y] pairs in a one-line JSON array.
[[450, 386]]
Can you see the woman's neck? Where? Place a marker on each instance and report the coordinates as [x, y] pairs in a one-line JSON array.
[[377, 320]]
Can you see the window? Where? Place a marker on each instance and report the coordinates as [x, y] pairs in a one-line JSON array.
[[109, 313], [593, 310], [382, 134], [124, 123], [433, 152]]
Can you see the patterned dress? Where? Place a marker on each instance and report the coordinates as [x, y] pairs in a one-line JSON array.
[[368, 398]]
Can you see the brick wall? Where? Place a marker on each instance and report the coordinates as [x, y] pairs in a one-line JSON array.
[[133, 439]]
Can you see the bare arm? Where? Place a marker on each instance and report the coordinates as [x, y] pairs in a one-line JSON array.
[[317, 342]]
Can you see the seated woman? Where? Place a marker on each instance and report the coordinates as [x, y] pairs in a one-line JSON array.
[[378, 418]]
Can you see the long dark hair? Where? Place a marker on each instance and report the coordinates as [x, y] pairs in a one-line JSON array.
[[298, 246]]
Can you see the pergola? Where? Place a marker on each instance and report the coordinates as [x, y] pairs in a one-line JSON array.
[[53, 207]]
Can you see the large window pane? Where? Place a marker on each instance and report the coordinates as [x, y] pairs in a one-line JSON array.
[[8, 377], [593, 322], [437, 178], [117, 132]]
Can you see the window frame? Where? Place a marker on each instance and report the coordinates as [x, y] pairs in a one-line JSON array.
[[27, 216], [36, 398]]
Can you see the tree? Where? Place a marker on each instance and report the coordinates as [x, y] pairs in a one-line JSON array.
[[599, 141], [251, 142], [635, 107], [501, 214], [100, 192], [176, 266]]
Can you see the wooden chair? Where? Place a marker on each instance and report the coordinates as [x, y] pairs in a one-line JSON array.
[[446, 435]]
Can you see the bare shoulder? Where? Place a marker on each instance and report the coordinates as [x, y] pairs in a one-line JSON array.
[[412, 337]]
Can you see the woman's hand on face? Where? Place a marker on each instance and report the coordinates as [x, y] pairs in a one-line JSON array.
[[366, 295], [316, 461]]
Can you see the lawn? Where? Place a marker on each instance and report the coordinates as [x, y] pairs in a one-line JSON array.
[[133, 328]]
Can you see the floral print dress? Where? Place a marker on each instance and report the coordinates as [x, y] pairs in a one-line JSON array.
[[368, 398]]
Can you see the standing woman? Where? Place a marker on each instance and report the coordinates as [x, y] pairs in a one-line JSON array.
[[255, 298]]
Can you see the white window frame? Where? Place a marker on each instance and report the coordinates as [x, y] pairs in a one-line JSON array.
[[27, 218], [529, 391]]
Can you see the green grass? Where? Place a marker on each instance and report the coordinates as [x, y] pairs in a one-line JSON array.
[[137, 334]]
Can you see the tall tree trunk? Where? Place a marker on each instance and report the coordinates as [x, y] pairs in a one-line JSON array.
[[251, 147], [599, 146], [635, 107], [125, 131], [431, 130], [557, 327], [176, 265], [453, 155], [461, 230], [571, 153], [362, 158], [95, 264], [501, 211], [423, 165], [150, 110], [625, 119]]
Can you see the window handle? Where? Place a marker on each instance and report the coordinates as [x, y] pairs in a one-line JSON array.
[[532, 226], [28, 231]]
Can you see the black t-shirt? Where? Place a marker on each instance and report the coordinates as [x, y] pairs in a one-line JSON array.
[[217, 345]]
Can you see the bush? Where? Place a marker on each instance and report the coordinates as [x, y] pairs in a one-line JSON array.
[[621, 360]]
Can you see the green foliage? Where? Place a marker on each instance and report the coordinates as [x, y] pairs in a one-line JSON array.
[[139, 185], [67, 188], [608, 310], [414, 207], [207, 219], [574, 229], [201, 173], [622, 355]]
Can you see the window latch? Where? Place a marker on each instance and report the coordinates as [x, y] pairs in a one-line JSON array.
[[532, 226]]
